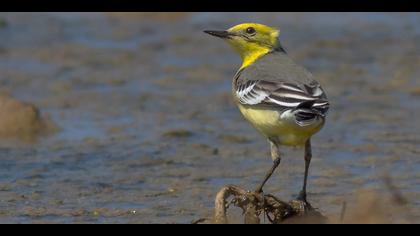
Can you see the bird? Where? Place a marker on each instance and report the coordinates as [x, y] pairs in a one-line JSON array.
[[281, 99]]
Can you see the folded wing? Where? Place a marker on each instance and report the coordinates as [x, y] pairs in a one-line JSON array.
[[308, 101]]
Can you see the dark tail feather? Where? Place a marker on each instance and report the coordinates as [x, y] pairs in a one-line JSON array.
[[305, 113], [306, 104], [305, 116]]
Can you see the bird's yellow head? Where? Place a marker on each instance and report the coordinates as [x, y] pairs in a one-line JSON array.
[[250, 40]]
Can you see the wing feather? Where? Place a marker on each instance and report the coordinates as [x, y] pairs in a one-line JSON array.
[[281, 95], [275, 81]]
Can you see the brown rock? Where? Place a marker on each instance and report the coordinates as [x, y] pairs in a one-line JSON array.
[[23, 121]]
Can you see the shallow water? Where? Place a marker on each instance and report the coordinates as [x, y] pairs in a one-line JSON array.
[[148, 130]]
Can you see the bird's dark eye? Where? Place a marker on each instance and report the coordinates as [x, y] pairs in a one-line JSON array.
[[250, 30]]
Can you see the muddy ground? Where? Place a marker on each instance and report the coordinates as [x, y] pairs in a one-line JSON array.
[[145, 130]]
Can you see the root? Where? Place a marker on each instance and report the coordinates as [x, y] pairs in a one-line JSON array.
[[254, 205]]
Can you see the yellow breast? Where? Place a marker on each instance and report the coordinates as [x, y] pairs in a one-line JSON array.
[[271, 123]]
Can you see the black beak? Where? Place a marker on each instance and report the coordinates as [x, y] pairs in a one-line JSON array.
[[220, 34]]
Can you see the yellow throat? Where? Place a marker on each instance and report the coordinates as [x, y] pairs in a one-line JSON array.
[[252, 54], [252, 41]]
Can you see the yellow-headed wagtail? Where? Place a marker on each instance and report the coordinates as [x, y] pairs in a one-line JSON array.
[[278, 97]]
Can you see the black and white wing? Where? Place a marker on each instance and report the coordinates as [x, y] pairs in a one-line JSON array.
[[307, 100], [277, 82]]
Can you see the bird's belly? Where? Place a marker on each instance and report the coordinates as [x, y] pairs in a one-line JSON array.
[[271, 123]]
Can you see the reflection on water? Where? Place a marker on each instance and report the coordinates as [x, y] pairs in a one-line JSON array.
[[149, 133]]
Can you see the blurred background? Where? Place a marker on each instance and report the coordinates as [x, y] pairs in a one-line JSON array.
[[128, 117]]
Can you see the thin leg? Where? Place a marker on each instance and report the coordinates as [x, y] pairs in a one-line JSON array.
[[275, 155], [308, 157]]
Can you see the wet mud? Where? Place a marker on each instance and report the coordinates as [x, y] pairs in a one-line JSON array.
[[145, 130]]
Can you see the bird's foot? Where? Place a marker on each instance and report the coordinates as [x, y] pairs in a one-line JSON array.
[[303, 202], [259, 194], [259, 189]]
